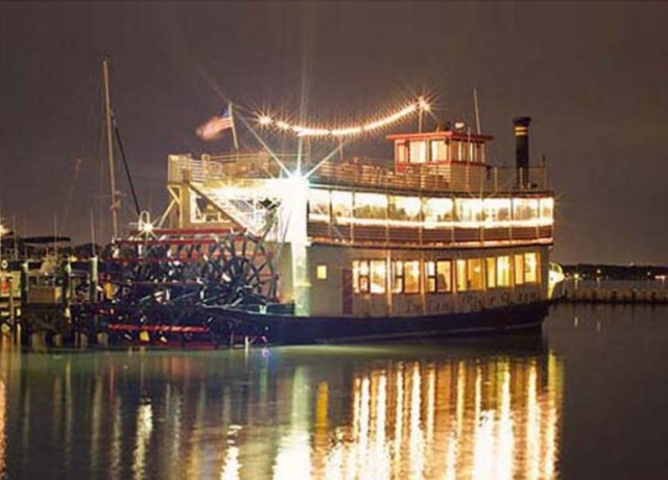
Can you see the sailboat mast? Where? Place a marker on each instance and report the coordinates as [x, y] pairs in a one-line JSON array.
[[115, 202]]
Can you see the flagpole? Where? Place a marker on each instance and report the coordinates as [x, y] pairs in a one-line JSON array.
[[110, 150], [234, 128]]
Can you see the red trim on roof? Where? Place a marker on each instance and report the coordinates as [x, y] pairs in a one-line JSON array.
[[474, 137]]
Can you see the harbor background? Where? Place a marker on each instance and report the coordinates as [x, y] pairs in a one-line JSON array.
[[584, 400], [590, 283]]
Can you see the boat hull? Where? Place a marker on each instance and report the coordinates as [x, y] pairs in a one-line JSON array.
[[288, 329]]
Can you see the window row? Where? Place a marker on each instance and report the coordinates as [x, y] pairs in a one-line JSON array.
[[444, 276], [439, 150], [323, 205]]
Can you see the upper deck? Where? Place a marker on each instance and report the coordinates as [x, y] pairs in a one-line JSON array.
[[438, 190], [365, 174]]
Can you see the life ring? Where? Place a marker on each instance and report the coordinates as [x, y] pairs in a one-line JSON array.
[[4, 264]]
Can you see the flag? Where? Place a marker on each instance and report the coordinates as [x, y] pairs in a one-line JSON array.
[[215, 126]]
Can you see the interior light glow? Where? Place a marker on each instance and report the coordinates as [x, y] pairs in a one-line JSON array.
[[265, 120]]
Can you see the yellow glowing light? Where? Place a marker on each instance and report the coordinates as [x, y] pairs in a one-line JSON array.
[[302, 131], [346, 131], [146, 227]]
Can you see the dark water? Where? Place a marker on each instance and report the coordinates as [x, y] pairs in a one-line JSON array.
[[588, 400]]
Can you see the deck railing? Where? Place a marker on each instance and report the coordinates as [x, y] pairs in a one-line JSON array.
[[474, 178]]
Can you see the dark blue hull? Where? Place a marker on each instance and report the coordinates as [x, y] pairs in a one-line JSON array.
[[289, 329]]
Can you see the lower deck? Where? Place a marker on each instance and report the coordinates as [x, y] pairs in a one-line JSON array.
[[325, 280]]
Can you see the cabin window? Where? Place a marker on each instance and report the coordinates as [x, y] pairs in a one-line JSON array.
[[477, 153], [497, 209], [469, 209], [438, 274], [319, 205], [438, 210], [321, 272], [530, 267], [397, 276], [371, 206], [439, 151], [361, 276], [406, 276], [430, 275], [503, 271], [491, 272], [412, 276], [400, 151], [456, 150], [519, 269], [378, 276], [547, 210], [525, 209], [474, 274], [418, 151], [404, 208], [369, 276], [342, 206], [460, 275]]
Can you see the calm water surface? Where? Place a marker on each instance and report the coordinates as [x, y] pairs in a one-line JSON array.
[[587, 400]]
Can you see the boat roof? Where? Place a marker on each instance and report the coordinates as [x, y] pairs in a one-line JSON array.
[[442, 134]]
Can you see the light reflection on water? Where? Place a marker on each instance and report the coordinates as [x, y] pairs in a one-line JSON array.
[[454, 410]]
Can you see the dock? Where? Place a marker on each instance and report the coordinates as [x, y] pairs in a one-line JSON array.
[[651, 291]]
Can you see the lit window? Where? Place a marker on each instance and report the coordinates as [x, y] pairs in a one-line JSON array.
[[525, 209], [531, 267], [519, 269], [370, 205], [378, 276], [321, 272], [369, 276], [404, 208], [443, 276], [438, 210], [456, 149], [469, 209], [400, 151], [342, 205], [503, 271], [418, 151], [319, 205], [438, 274], [497, 209], [460, 275], [397, 276], [474, 275], [547, 210], [361, 276], [430, 275], [439, 150], [491, 272], [412, 277]]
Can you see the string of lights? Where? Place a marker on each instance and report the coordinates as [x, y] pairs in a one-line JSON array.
[[421, 105]]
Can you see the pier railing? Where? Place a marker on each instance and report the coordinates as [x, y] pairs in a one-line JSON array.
[[474, 178]]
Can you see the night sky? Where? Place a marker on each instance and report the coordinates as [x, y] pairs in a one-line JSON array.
[[593, 76]]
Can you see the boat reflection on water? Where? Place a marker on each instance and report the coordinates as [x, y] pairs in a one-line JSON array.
[[450, 410]]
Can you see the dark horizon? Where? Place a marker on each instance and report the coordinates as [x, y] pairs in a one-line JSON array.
[[590, 75]]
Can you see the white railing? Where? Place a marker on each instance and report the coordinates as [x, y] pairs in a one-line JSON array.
[[474, 178]]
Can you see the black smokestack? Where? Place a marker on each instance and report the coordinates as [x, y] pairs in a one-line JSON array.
[[522, 149]]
